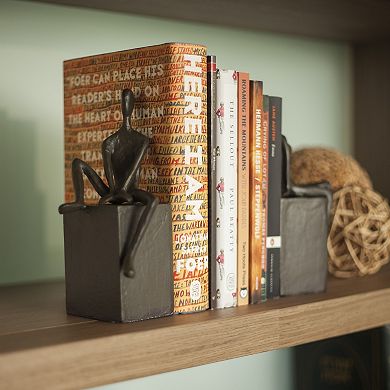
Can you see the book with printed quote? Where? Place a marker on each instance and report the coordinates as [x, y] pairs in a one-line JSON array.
[[226, 189], [169, 82]]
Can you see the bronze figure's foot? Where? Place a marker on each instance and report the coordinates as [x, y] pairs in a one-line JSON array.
[[70, 207], [128, 268], [130, 273]]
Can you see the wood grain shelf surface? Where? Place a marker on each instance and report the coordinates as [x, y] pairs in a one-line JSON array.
[[350, 20], [42, 347]]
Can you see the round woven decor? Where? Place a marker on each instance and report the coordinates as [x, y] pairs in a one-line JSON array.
[[359, 238], [313, 165]]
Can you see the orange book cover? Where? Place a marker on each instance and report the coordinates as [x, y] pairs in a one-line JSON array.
[[169, 82], [264, 195], [255, 194], [243, 192]]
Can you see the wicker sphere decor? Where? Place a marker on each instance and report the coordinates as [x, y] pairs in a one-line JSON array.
[[359, 237]]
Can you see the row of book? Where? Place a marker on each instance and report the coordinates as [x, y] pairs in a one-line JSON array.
[[244, 135], [223, 202]]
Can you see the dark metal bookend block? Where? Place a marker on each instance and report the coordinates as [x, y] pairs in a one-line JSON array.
[[96, 286], [304, 231], [304, 213]]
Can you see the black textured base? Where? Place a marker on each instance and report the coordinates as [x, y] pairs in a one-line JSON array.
[[95, 284], [304, 256]]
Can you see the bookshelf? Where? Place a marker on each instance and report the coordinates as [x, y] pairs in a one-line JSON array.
[[40, 346]]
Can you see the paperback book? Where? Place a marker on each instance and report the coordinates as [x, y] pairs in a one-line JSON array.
[[264, 194], [212, 124], [274, 196], [243, 190], [226, 189], [257, 272]]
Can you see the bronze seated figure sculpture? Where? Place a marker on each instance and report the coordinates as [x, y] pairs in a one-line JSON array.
[[122, 155]]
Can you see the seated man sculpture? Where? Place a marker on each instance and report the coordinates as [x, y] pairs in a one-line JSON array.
[[122, 155]]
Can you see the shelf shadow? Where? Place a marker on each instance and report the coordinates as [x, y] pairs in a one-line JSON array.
[[22, 249]]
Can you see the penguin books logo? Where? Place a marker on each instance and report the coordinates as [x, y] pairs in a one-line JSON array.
[[243, 293]]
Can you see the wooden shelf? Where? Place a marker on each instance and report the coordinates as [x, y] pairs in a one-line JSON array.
[[40, 346], [351, 20]]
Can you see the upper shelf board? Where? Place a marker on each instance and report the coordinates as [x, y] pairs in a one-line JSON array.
[[346, 20]]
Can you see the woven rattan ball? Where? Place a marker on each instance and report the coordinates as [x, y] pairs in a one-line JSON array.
[[313, 165], [359, 236]]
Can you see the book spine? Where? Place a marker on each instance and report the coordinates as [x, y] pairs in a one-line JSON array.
[[255, 193], [349, 362], [264, 197], [211, 134], [274, 196], [226, 189], [386, 353], [243, 193], [169, 83]]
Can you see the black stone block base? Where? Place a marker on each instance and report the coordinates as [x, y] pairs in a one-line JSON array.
[[304, 255], [96, 286]]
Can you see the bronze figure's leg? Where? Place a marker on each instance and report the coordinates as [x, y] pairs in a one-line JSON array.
[[150, 202], [121, 197], [79, 167]]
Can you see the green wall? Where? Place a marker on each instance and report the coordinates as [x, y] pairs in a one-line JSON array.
[[313, 77]]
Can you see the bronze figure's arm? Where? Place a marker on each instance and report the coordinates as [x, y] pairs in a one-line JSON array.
[[136, 165], [107, 152]]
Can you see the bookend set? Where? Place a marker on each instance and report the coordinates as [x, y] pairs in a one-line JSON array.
[[118, 254]]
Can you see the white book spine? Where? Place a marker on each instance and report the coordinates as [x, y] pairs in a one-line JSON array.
[[226, 178]]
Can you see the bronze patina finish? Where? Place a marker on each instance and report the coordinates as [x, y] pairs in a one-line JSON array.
[[122, 155]]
